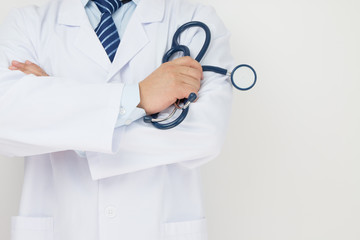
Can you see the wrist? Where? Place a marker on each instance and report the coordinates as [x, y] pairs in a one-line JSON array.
[[141, 91]]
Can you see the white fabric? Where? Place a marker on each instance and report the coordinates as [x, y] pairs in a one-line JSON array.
[[131, 96], [137, 182]]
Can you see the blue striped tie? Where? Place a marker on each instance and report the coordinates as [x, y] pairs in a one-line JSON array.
[[106, 30]]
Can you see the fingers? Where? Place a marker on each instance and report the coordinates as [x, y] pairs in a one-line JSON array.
[[190, 72], [189, 75], [187, 85], [172, 80], [28, 68], [189, 62], [190, 88]]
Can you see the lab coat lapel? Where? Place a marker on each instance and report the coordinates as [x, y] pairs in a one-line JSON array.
[[133, 41], [135, 38], [88, 42], [72, 14]]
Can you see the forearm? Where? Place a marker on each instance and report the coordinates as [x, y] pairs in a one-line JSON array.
[[46, 114], [197, 140]]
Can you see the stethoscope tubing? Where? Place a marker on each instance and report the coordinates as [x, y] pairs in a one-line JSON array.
[[214, 69], [169, 125], [184, 27], [177, 47]]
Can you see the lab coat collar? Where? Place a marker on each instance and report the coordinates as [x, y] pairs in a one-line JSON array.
[[151, 10], [135, 37], [85, 2], [72, 12]]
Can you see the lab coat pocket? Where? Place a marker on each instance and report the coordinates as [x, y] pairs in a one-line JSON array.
[[29, 228], [189, 230]]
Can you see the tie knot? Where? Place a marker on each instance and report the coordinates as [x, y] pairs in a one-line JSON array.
[[108, 6]]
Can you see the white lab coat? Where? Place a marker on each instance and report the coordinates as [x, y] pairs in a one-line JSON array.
[[137, 182]]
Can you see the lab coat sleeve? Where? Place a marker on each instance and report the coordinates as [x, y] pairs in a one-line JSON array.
[[48, 114], [128, 111], [195, 141]]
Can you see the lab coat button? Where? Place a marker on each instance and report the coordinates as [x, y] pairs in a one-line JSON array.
[[110, 212], [122, 111]]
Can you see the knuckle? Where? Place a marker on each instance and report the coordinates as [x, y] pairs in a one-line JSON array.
[[173, 75], [176, 84], [166, 64], [169, 67], [188, 59], [20, 66]]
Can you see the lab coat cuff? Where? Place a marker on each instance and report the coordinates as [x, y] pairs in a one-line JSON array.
[[105, 132], [129, 112]]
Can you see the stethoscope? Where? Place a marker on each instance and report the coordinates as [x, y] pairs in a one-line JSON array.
[[247, 73]]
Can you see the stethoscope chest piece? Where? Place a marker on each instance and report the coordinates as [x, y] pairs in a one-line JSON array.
[[243, 77]]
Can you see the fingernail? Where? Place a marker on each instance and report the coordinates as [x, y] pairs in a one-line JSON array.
[[13, 68], [28, 62]]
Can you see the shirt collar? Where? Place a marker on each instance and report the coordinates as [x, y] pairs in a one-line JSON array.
[[85, 2]]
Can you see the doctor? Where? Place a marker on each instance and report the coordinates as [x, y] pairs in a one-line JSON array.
[[71, 103]]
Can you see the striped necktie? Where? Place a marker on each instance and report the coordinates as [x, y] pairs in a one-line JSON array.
[[106, 30]]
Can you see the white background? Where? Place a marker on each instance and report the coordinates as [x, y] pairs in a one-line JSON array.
[[290, 168]]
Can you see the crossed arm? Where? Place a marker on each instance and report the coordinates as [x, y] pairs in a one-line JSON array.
[[171, 81], [57, 122]]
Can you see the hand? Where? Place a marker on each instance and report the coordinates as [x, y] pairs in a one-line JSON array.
[[171, 81], [28, 68]]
